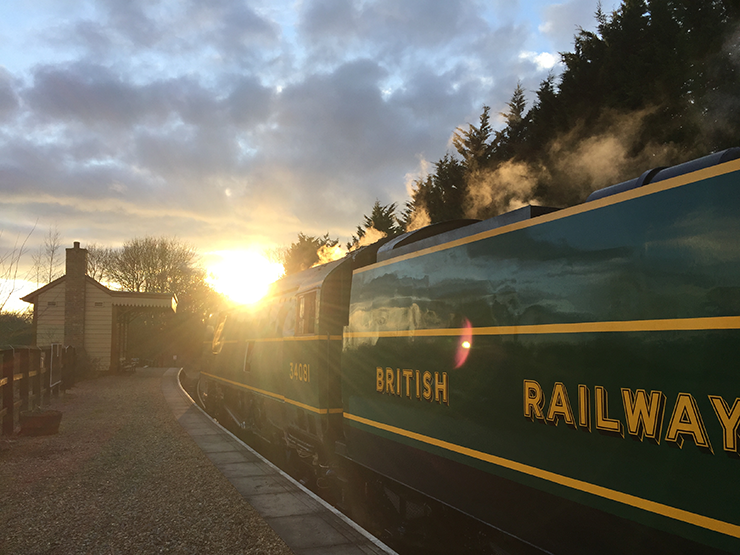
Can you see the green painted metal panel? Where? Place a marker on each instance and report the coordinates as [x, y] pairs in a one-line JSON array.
[[672, 257]]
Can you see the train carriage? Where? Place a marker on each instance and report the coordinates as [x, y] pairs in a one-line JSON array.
[[569, 378], [566, 377], [274, 369]]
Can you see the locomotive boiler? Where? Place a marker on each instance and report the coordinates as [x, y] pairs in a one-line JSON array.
[[566, 377]]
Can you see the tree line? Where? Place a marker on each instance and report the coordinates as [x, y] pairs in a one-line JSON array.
[[655, 84]]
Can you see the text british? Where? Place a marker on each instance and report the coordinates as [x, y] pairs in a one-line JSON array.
[[413, 384]]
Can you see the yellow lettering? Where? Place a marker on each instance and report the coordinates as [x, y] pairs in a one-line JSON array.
[[418, 385], [427, 385], [643, 419], [389, 381], [441, 387], [534, 400], [603, 422], [686, 420], [407, 374], [584, 407], [560, 406], [729, 420], [398, 382], [379, 381]]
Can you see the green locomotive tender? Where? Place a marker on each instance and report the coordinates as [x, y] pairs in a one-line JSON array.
[[566, 376]]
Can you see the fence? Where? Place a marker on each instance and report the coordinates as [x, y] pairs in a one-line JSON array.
[[30, 375]]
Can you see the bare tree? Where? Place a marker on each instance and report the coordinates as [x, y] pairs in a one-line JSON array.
[[100, 262], [47, 261], [9, 267], [154, 265]]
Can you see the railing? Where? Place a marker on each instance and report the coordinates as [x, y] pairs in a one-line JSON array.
[[30, 375]]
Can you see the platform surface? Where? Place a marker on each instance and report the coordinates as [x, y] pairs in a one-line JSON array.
[[305, 522]]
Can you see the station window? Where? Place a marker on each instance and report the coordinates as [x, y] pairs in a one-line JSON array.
[[306, 314]]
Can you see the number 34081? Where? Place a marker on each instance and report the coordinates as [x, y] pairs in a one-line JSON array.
[[300, 372]]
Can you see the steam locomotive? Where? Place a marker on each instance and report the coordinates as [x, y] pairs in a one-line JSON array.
[[567, 377]]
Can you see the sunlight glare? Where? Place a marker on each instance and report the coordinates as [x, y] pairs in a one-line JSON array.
[[243, 276]]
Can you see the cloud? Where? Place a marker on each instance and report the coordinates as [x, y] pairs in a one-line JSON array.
[[562, 21], [543, 60], [90, 94], [226, 122], [8, 95]]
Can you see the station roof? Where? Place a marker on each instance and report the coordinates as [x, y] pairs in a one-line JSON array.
[[118, 298]]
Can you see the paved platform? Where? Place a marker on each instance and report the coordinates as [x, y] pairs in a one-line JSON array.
[[303, 520]]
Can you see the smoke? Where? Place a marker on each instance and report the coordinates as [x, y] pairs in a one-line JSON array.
[[508, 187], [419, 218], [371, 236], [575, 164], [328, 254], [606, 158]]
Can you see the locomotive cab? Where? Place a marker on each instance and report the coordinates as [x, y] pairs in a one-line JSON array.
[[275, 365]]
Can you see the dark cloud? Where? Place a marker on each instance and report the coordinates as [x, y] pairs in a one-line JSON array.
[[390, 28], [8, 95], [89, 94], [248, 102], [425, 24], [329, 20], [429, 96], [130, 20]]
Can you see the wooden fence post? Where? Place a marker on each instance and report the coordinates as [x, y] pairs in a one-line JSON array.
[[25, 380], [45, 376], [8, 386], [35, 373]]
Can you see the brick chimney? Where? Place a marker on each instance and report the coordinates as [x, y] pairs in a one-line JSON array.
[[74, 297]]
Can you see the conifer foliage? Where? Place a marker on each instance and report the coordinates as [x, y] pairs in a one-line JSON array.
[[655, 85]]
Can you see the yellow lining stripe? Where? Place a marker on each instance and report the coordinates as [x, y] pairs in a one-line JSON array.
[[649, 189], [613, 495], [672, 324], [276, 396], [297, 338], [276, 339]]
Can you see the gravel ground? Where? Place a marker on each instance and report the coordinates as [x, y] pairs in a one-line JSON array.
[[121, 476]]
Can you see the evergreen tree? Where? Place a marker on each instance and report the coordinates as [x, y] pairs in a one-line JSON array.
[[303, 254], [543, 118], [382, 218], [511, 139], [658, 79], [440, 194], [473, 145]]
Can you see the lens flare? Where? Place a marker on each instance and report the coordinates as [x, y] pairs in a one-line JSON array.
[[243, 276], [465, 342]]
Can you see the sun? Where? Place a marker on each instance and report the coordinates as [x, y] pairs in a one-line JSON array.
[[244, 275]]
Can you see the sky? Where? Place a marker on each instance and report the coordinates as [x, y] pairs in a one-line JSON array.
[[234, 125]]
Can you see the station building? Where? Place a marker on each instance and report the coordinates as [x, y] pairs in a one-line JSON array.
[[76, 310]]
